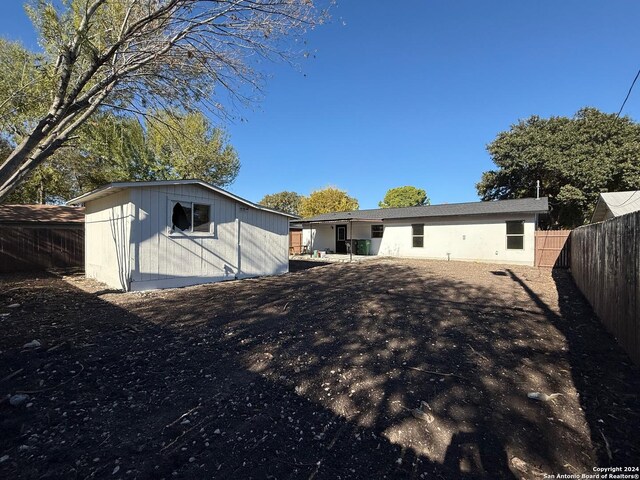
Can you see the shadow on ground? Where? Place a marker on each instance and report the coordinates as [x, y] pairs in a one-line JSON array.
[[316, 374], [299, 265]]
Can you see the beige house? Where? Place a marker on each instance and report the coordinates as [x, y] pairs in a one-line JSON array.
[[501, 231], [148, 235]]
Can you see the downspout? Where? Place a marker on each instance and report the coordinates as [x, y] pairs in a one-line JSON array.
[[311, 234]]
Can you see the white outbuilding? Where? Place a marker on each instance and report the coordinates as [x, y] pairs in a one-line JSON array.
[[166, 234]]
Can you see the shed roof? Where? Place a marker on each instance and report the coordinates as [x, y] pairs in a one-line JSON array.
[[112, 188], [522, 205], [41, 214], [618, 203]]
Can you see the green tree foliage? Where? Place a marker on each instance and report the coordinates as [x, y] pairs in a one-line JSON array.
[[52, 182], [404, 197], [326, 200], [113, 148], [288, 202], [188, 146], [5, 148], [24, 85], [49, 183], [134, 56], [574, 158]]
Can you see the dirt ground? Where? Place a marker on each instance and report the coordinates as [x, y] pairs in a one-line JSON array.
[[382, 369]]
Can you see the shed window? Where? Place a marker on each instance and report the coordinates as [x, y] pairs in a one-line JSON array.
[[515, 235], [417, 233], [201, 219], [377, 231], [190, 217]]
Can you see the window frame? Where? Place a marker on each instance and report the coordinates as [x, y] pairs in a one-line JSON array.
[[175, 231], [379, 234], [514, 235], [414, 236]]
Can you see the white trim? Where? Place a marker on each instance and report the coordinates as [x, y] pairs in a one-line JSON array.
[[171, 201], [507, 234], [176, 282], [179, 282], [115, 187], [413, 235]]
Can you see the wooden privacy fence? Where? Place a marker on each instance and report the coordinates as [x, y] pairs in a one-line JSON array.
[[605, 264], [295, 242], [31, 248], [552, 248]]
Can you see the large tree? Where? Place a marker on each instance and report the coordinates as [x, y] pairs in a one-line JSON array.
[[326, 200], [574, 159], [404, 197], [134, 56], [114, 148], [189, 146], [288, 202]]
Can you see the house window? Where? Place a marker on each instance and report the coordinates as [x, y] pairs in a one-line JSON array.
[[377, 231], [515, 235], [190, 217], [417, 232]]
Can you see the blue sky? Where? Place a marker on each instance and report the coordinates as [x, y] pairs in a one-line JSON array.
[[410, 93]]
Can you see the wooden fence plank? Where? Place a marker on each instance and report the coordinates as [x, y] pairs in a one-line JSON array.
[[605, 265], [28, 248], [552, 248], [295, 242]]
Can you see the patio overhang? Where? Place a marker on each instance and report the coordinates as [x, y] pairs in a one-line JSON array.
[[336, 221]]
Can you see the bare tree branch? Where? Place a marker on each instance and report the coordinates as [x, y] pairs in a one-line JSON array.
[[116, 54]]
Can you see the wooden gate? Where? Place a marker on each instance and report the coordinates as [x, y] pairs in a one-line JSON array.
[[295, 242], [552, 248]]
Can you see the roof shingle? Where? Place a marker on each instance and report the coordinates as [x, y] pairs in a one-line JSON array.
[[521, 205], [40, 214]]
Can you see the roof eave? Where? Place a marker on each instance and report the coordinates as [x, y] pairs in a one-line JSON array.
[[118, 186]]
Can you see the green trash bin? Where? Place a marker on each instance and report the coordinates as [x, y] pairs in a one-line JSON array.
[[364, 247]]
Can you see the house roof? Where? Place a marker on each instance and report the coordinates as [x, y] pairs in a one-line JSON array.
[[112, 188], [618, 203], [41, 214], [522, 205]]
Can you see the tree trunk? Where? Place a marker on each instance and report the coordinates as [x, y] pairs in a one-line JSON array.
[[21, 162]]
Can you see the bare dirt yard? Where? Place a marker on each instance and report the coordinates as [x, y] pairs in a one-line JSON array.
[[381, 369]]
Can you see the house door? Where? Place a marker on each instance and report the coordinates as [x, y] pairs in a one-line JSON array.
[[341, 239]]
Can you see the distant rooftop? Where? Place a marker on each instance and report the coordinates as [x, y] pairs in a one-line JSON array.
[[614, 204], [40, 214], [521, 205]]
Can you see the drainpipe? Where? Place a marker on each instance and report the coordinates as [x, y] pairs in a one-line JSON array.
[[311, 234]]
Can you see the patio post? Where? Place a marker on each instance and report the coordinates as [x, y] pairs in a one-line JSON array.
[[351, 240]]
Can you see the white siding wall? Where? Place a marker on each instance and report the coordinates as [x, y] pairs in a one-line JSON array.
[[363, 231], [324, 237], [478, 238], [474, 239], [107, 240], [264, 242], [163, 259]]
